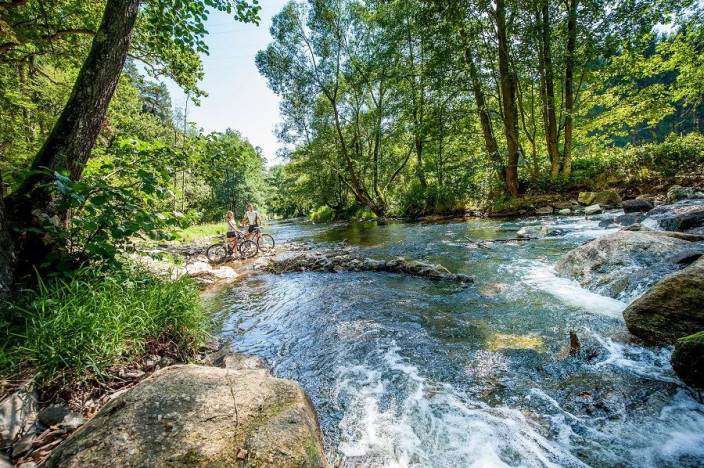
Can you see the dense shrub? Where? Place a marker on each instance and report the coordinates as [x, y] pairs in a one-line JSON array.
[[323, 214]]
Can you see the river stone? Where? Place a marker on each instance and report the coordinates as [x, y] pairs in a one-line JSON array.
[[593, 209], [671, 309], [688, 359], [686, 216], [532, 231], [604, 198], [637, 206], [544, 210], [622, 263], [189, 415], [677, 192], [564, 211], [18, 413]]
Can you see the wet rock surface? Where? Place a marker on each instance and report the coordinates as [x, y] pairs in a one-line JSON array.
[[603, 198], [671, 309], [637, 206], [188, 415], [688, 359], [624, 263], [685, 216], [339, 261]]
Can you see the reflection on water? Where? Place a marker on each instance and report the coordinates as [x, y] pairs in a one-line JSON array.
[[405, 371]]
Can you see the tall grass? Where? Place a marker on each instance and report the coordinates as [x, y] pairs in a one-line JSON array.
[[96, 320], [200, 231]]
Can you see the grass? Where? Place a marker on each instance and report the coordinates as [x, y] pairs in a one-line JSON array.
[[200, 231], [98, 319]]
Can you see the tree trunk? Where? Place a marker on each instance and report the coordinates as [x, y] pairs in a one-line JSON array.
[[569, 86], [508, 93], [70, 142], [490, 144], [548, 89], [7, 251]]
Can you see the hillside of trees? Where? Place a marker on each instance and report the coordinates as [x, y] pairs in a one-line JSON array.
[[414, 107]]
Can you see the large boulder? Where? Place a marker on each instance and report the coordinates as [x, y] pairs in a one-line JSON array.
[[688, 359], [637, 206], [604, 198], [622, 263], [671, 309], [686, 216], [191, 415]]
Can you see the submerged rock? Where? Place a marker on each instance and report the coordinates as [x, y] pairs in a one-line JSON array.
[[191, 415], [688, 359], [671, 309], [337, 262], [625, 262], [604, 198], [686, 216]]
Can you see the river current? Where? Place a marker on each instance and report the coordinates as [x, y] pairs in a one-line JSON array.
[[407, 371]]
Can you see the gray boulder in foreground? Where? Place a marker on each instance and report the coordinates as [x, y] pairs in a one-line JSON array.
[[190, 415], [625, 263], [671, 309]]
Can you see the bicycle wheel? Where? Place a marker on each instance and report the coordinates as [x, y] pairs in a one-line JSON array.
[[216, 253], [248, 249], [265, 243]]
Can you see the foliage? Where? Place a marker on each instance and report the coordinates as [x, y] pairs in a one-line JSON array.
[[393, 106], [323, 214], [96, 319]]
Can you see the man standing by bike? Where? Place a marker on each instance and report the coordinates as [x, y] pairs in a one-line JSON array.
[[251, 219]]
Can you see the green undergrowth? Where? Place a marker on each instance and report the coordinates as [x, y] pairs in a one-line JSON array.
[[200, 231], [78, 328]]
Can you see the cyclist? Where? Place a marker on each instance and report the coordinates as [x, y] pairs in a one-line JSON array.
[[251, 219], [232, 231]]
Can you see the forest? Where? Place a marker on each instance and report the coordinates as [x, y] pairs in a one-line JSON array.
[[391, 111], [427, 107]]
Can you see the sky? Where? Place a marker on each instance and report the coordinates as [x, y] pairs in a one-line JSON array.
[[238, 96]]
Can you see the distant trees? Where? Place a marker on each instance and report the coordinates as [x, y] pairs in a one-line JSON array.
[[416, 106]]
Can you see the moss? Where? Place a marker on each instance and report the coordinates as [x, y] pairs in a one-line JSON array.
[[688, 359]]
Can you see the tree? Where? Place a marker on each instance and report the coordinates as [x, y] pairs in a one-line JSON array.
[[68, 146]]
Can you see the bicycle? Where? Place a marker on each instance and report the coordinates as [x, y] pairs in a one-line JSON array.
[[217, 253], [265, 242]]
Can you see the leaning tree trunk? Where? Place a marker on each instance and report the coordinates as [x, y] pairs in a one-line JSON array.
[[70, 142], [548, 89]]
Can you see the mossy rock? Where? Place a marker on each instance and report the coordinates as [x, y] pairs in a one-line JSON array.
[[604, 198], [688, 359], [671, 309], [200, 416]]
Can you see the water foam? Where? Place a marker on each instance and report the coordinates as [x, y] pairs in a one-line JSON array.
[[540, 276], [395, 417]]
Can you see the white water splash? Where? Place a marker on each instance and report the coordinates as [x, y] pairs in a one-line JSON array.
[[395, 417], [540, 276]]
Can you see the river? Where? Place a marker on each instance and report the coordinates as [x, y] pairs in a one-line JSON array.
[[406, 371]]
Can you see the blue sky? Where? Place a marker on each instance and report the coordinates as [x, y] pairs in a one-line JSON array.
[[238, 96]]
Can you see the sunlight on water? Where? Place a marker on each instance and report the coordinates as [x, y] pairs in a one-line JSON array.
[[407, 372]]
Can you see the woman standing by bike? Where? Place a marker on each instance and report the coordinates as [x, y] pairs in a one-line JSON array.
[[232, 230], [251, 219]]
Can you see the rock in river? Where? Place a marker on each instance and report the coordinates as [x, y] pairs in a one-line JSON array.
[[593, 209], [191, 415], [625, 262], [637, 206], [688, 359], [605, 198], [671, 309], [685, 216]]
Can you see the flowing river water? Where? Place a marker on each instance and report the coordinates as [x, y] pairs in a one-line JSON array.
[[406, 371]]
